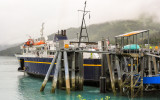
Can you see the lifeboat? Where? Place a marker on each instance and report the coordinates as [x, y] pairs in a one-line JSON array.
[[29, 42], [39, 43]]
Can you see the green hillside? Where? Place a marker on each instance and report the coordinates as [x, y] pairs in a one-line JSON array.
[[109, 29], [10, 51], [113, 28]]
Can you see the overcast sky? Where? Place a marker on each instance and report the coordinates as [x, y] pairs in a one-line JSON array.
[[20, 19]]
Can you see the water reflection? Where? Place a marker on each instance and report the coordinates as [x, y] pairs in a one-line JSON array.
[[15, 86], [29, 89]]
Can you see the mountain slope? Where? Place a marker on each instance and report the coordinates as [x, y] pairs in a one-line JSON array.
[[10, 51], [108, 29], [111, 29]]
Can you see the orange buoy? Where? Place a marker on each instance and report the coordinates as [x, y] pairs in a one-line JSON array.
[[156, 48]]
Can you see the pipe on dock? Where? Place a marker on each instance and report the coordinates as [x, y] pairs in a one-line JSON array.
[[48, 72], [58, 65]]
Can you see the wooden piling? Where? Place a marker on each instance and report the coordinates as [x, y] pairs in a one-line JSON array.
[[132, 88], [155, 65], [103, 59], [73, 71], [48, 72], [111, 75], [125, 63], [142, 69], [60, 75], [102, 84], [66, 72], [113, 64], [158, 65], [113, 67], [58, 65], [149, 67], [118, 65], [81, 70]]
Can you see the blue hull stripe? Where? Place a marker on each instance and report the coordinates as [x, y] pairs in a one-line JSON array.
[[40, 66], [55, 63]]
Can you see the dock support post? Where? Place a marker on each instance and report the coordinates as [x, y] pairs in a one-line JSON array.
[[155, 65], [132, 88], [158, 65], [102, 84], [113, 69], [81, 70], [48, 72], [66, 72], [142, 69], [118, 65], [60, 75], [73, 71], [111, 75], [58, 65], [149, 66]]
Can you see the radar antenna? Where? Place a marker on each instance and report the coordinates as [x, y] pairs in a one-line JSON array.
[[83, 25]]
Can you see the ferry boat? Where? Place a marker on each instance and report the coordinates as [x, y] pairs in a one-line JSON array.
[[37, 55]]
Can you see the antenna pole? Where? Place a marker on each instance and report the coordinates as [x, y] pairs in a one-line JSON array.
[[83, 25], [42, 30]]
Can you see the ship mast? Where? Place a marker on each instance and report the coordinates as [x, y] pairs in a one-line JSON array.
[[42, 38], [83, 26]]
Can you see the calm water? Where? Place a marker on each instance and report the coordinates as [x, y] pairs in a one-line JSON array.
[[17, 86]]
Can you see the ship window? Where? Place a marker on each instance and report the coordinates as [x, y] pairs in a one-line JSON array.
[[38, 49], [24, 51], [51, 53]]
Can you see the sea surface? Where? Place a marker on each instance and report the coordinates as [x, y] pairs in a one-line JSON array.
[[15, 85]]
